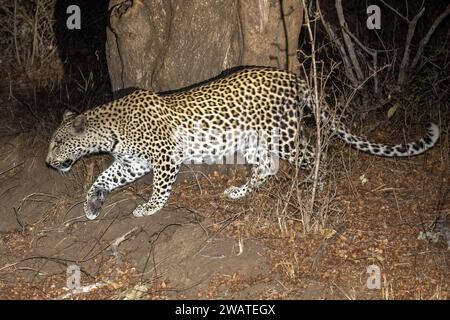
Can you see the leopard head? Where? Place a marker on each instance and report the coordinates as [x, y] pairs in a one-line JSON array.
[[74, 138]]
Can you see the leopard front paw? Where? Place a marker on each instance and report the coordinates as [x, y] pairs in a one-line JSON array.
[[94, 203], [145, 210]]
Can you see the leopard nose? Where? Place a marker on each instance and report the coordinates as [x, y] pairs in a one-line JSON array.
[[48, 158], [48, 161]]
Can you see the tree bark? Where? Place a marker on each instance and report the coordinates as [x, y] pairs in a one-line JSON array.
[[169, 44]]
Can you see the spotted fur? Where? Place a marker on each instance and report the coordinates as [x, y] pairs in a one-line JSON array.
[[147, 131]]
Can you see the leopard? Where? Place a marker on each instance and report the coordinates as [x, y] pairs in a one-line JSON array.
[[256, 111]]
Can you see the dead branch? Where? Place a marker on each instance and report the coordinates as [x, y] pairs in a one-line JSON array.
[[352, 66], [427, 37], [115, 244], [347, 64], [83, 289], [349, 44], [404, 65], [373, 53]]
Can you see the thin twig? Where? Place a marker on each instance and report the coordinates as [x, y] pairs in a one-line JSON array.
[[7, 170], [316, 110], [395, 11], [15, 34]]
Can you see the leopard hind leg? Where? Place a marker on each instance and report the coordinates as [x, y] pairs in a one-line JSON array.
[[264, 165]]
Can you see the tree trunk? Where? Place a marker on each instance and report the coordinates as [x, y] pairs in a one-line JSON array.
[[169, 44]]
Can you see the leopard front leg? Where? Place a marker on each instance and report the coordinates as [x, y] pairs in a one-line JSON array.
[[164, 175], [120, 173], [94, 201]]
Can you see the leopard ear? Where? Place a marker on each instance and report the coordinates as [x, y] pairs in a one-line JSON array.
[[68, 114], [79, 124]]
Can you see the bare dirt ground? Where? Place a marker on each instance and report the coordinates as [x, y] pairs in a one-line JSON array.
[[382, 212]]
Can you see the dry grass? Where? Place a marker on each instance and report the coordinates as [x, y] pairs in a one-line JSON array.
[[28, 38]]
